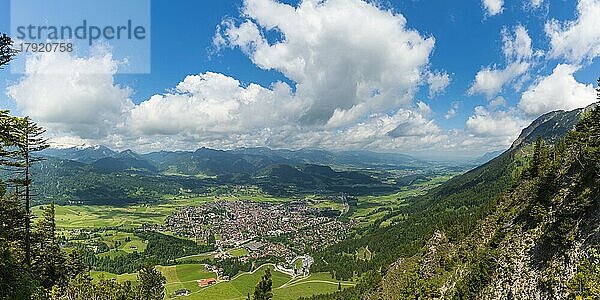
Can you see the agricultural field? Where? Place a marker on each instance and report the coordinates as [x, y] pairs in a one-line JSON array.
[[328, 204], [121, 243], [97, 275], [184, 277], [203, 256], [370, 209], [88, 216], [318, 283], [284, 287], [239, 252]]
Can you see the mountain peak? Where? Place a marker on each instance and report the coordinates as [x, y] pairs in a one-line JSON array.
[[550, 127]]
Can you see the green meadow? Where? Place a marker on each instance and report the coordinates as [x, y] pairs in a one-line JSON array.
[[121, 243], [239, 252], [284, 287], [370, 209], [97, 275], [185, 277]]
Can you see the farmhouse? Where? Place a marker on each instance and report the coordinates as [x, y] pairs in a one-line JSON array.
[[206, 282], [182, 292]]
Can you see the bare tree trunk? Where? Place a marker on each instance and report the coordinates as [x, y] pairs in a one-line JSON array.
[[27, 208]]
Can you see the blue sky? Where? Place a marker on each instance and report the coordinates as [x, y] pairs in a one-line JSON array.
[[466, 37]]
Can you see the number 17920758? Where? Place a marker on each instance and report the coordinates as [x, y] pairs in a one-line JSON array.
[[46, 47]]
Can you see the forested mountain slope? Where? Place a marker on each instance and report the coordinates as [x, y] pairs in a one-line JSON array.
[[538, 240], [445, 243]]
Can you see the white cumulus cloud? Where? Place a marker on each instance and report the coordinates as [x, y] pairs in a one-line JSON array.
[[493, 7], [72, 94], [437, 81], [559, 90], [578, 39], [213, 102], [505, 124], [453, 111], [517, 50], [536, 3], [346, 69]]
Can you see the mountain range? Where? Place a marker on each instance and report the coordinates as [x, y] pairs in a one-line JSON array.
[[257, 157], [99, 175]]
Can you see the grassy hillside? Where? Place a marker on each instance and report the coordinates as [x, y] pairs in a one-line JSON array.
[[283, 286], [184, 277]]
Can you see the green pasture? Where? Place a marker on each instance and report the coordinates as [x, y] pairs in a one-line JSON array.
[[184, 277], [284, 287], [96, 275], [239, 252]]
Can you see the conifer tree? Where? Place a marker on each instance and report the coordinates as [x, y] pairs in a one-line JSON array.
[[539, 158], [26, 138], [48, 261], [584, 141], [12, 220], [151, 283], [7, 52], [15, 282], [263, 290], [211, 239], [75, 264]]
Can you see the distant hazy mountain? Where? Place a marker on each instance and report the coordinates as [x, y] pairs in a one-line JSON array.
[[341, 159], [97, 174], [245, 160], [487, 157], [211, 162], [85, 154], [113, 164]]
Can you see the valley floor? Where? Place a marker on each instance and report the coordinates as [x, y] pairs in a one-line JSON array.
[[109, 232]]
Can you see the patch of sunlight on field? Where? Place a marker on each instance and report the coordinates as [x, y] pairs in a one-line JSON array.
[[96, 275]]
